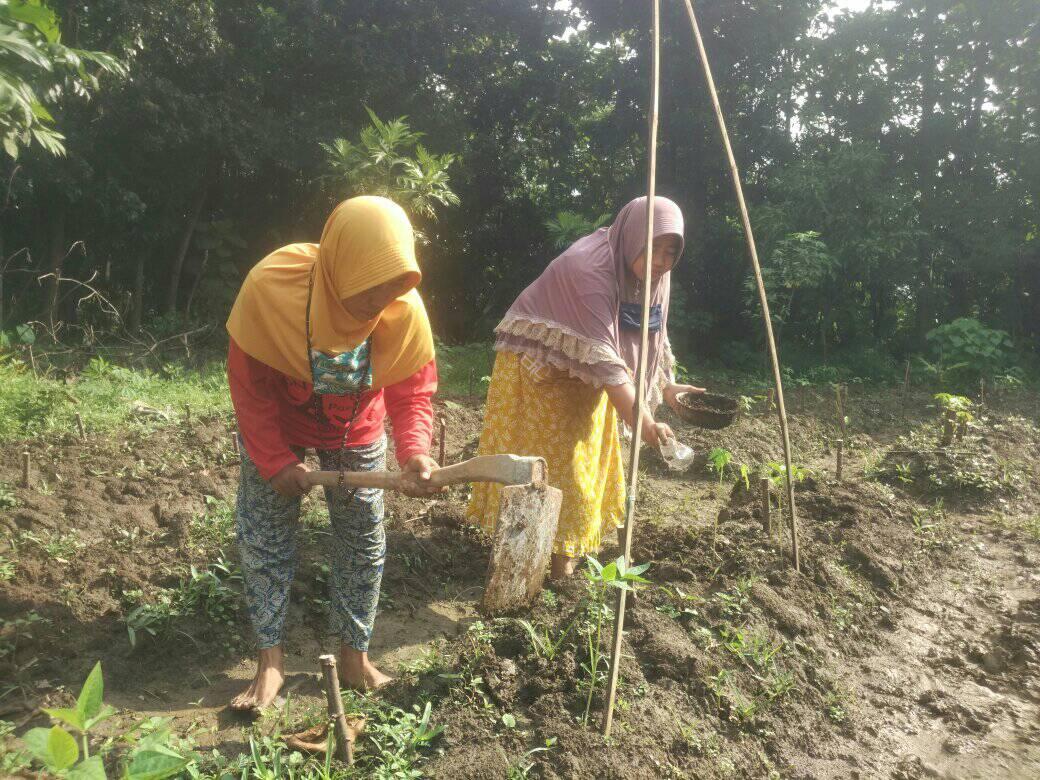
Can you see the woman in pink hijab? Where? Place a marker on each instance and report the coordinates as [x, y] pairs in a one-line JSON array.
[[567, 351]]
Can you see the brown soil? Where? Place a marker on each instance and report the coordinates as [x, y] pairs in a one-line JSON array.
[[909, 646]]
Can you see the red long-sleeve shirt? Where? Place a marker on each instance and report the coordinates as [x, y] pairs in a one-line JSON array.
[[275, 412]]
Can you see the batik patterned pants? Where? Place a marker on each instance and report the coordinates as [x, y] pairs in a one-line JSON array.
[[267, 524]]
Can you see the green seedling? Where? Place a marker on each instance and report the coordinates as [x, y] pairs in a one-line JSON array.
[[58, 751], [601, 579], [718, 460]]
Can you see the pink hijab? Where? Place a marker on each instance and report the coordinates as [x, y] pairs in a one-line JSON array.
[[568, 317]]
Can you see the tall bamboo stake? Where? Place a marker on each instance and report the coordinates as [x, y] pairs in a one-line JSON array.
[[637, 409], [763, 300]]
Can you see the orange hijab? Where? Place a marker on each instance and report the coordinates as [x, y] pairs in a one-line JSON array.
[[367, 241]]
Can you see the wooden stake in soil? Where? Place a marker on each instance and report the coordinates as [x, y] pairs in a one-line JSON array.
[[344, 744], [25, 469], [949, 426], [841, 397], [32, 362], [79, 426], [760, 283], [644, 334], [982, 391], [443, 431], [764, 508], [187, 413], [238, 448], [771, 398], [839, 457], [906, 379]]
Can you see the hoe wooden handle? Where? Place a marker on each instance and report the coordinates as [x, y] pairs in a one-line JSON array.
[[503, 469]]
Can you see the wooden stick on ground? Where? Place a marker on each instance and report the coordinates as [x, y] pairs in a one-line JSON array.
[[443, 431], [25, 469], [763, 300], [344, 744], [763, 497], [637, 408]]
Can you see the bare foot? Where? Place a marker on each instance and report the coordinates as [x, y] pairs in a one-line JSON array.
[[270, 674], [562, 567], [357, 672]]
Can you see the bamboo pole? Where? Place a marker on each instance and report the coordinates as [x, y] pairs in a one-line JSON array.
[[344, 744], [763, 300], [637, 408]]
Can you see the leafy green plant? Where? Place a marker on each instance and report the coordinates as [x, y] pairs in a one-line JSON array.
[[567, 227], [600, 580], [150, 759], [960, 406], [968, 348], [36, 69], [388, 160], [718, 460], [8, 500]]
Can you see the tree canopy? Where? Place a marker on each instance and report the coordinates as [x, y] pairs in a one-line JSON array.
[[891, 156]]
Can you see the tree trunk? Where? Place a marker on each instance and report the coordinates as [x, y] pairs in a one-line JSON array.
[[926, 163], [55, 260], [182, 250], [195, 284], [137, 308]]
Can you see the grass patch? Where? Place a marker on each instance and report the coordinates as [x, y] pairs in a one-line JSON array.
[[465, 369], [104, 395]]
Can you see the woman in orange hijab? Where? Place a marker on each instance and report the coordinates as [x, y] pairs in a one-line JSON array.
[[326, 340]]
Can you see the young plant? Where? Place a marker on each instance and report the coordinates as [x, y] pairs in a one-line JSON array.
[[57, 750], [959, 405], [718, 460], [601, 579]]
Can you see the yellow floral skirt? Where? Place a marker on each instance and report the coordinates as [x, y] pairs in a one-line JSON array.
[[574, 427]]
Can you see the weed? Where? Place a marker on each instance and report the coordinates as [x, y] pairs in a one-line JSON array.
[[398, 738], [13, 631], [523, 767], [699, 739], [203, 590], [7, 497], [214, 530], [57, 546], [7, 569], [754, 648], [736, 603], [544, 644], [550, 599], [834, 704]]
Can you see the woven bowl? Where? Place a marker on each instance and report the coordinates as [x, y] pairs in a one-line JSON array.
[[708, 410]]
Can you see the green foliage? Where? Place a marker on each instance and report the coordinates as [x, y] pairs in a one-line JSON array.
[[600, 579], [36, 70], [959, 405], [718, 460], [151, 757], [105, 396], [211, 592], [968, 348], [567, 227], [388, 160]]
